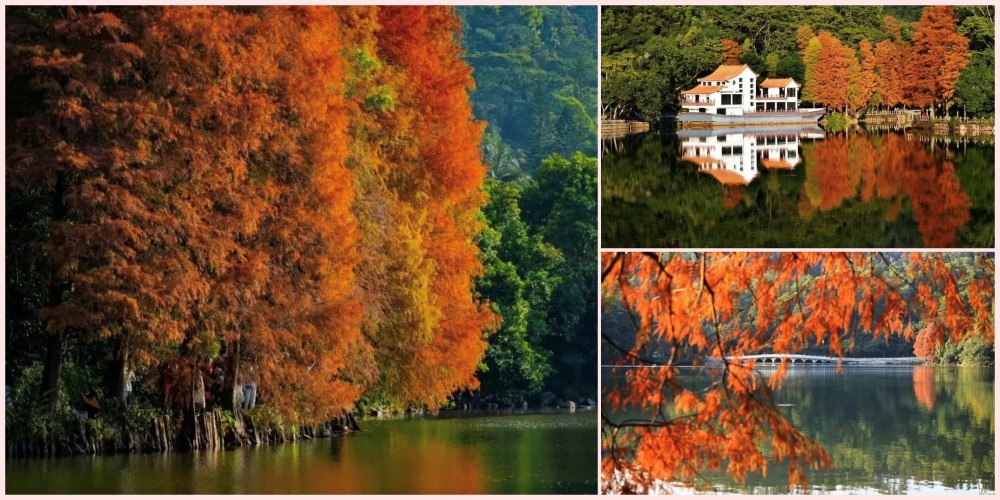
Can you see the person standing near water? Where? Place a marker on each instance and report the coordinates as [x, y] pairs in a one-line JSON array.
[[198, 390], [127, 388]]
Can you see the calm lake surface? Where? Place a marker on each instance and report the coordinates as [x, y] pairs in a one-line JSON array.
[[888, 430], [783, 187], [519, 453]]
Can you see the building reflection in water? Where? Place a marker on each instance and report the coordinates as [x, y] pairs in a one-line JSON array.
[[734, 157]]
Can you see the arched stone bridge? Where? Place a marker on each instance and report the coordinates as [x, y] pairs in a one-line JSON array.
[[811, 359]]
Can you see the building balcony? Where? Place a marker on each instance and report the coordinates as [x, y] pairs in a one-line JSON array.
[[697, 102]]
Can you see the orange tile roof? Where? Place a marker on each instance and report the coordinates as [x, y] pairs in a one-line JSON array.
[[702, 160], [704, 89], [726, 72], [777, 83], [726, 177], [782, 164]]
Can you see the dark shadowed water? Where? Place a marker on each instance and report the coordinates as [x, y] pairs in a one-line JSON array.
[[522, 453], [785, 187], [888, 430]]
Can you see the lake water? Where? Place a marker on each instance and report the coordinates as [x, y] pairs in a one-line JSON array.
[[512, 453], [796, 187], [888, 430]]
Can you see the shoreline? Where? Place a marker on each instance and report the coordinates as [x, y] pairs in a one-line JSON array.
[[20, 450]]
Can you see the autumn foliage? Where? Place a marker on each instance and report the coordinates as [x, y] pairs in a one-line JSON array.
[[713, 309], [938, 56], [921, 73], [925, 386], [730, 51], [845, 167], [928, 340], [295, 187]]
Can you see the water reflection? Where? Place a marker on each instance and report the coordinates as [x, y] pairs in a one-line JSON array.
[[734, 156], [888, 430], [524, 453], [796, 187]]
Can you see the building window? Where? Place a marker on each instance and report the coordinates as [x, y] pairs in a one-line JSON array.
[[737, 150], [722, 111], [727, 151], [727, 99], [738, 99], [791, 92]]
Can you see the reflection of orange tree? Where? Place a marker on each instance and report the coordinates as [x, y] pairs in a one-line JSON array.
[[924, 386], [833, 172], [414, 466], [735, 304], [841, 165], [940, 205], [732, 195]]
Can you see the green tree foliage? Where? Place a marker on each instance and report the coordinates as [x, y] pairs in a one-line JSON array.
[[975, 90], [520, 278], [537, 253], [535, 78], [562, 205], [537, 88]]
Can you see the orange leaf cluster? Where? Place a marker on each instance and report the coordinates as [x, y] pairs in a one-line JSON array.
[[717, 308]]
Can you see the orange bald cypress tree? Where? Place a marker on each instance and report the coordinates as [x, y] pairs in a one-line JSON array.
[[448, 171], [892, 27], [832, 72], [730, 51], [112, 265], [888, 67], [937, 59], [867, 83]]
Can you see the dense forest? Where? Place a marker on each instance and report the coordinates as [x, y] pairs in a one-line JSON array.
[[536, 81], [849, 58], [294, 199], [536, 87]]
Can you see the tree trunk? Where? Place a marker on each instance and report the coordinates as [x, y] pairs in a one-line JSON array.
[[52, 372], [232, 374]]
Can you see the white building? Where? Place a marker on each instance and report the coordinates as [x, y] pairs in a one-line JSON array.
[[733, 90], [729, 90], [778, 94]]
